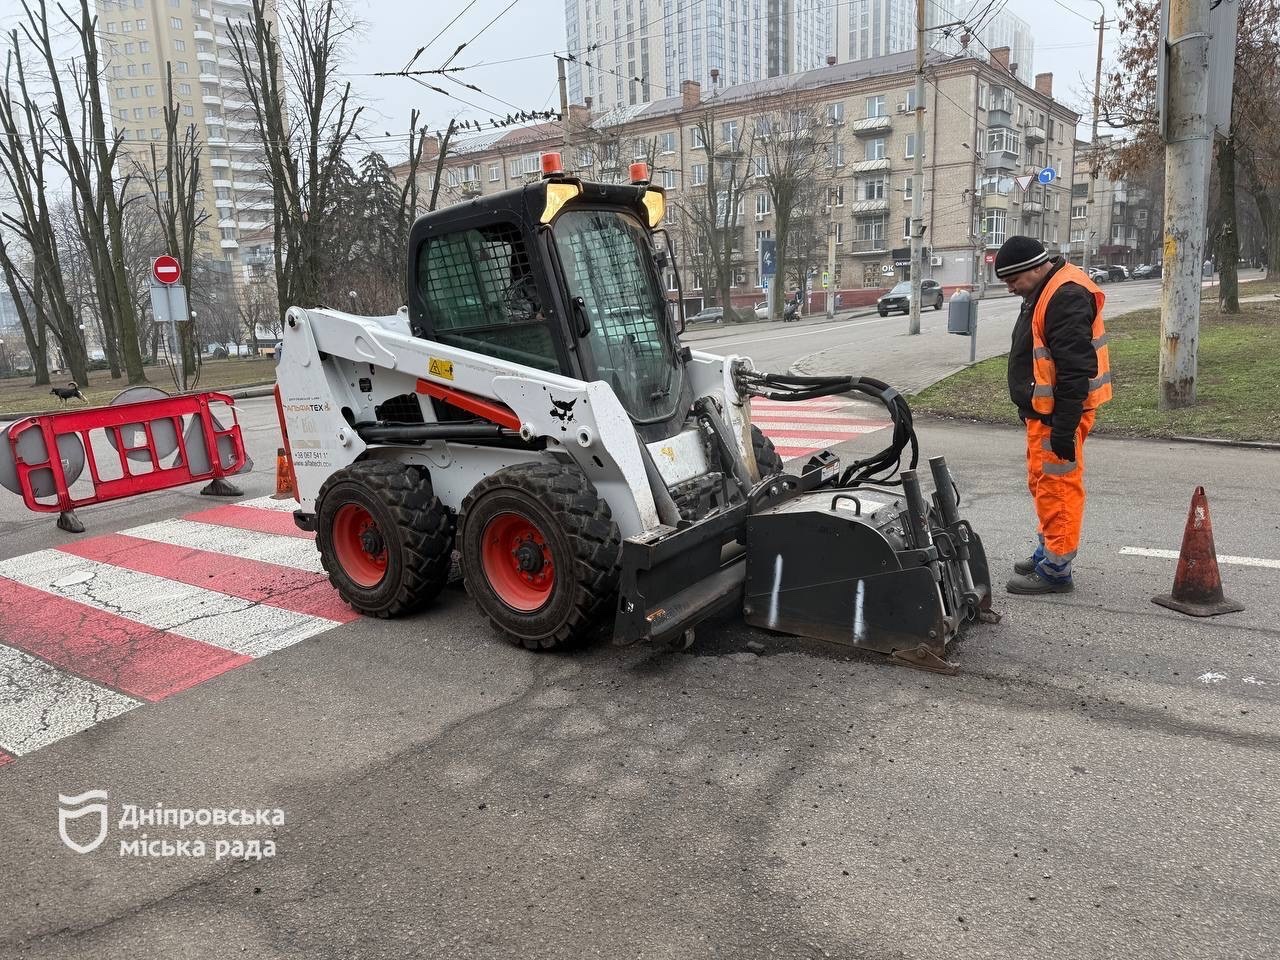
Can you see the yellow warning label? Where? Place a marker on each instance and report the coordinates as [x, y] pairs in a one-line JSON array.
[[440, 368], [1170, 248]]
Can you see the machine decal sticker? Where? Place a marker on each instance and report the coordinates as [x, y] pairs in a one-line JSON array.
[[440, 368]]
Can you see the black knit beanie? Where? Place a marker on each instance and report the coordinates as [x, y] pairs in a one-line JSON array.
[[1018, 254]]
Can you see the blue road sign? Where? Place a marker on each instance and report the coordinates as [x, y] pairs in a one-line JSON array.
[[1047, 175], [768, 257]]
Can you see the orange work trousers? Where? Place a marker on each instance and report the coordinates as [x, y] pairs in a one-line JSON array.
[[1057, 488]]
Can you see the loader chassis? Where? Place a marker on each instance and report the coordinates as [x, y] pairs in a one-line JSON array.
[[533, 407]]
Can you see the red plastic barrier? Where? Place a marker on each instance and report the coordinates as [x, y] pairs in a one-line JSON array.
[[218, 459]]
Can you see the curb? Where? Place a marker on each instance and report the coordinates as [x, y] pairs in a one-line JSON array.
[[745, 327]]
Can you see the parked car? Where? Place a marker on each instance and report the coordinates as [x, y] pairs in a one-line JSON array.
[[709, 315], [762, 310], [1117, 272], [1098, 274], [899, 298], [1147, 271]]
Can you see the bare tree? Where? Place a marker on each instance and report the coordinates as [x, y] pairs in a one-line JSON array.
[[305, 119], [712, 208], [88, 155], [790, 156], [24, 148]]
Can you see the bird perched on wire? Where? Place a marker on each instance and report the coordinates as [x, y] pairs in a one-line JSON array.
[[69, 392]]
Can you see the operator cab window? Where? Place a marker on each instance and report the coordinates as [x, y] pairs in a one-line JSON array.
[[481, 295]]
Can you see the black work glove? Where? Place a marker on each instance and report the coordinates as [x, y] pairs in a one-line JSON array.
[[1062, 436], [1063, 445]]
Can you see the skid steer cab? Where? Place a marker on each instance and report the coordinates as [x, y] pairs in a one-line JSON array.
[[532, 409]]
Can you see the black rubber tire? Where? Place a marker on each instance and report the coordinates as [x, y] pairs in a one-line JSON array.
[[883, 313], [938, 305], [416, 527], [578, 530], [767, 458]]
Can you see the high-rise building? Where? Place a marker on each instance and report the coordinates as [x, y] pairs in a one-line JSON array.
[[139, 40], [630, 52], [863, 29]]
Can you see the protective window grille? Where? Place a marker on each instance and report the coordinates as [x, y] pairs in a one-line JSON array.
[[481, 295]]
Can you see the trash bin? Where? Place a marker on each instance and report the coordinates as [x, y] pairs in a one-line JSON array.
[[962, 314]]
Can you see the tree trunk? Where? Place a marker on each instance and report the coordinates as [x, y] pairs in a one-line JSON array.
[[1228, 232]]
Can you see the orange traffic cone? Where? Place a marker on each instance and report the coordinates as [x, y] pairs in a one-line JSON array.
[[1197, 585], [284, 478]]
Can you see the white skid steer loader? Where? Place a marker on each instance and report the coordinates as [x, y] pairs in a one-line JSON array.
[[533, 408]]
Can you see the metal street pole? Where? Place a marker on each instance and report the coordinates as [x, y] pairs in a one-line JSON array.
[[564, 109], [1186, 170], [1097, 96], [831, 229], [917, 183]]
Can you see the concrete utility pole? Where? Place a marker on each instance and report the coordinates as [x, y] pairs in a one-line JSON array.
[[564, 110], [831, 228], [917, 182], [1186, 170], [1097, 98]]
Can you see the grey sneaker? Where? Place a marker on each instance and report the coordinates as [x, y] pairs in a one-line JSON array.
[[1033, 585]]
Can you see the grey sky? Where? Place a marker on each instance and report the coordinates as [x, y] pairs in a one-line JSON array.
[[394, 29]]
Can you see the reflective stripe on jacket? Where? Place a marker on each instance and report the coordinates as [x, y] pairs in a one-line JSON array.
[[1043, 370]]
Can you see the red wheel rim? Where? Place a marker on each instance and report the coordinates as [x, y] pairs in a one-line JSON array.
[[359, 545], [517, 562]]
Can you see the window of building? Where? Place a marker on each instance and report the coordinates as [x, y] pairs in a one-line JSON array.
[[157, 133], [131, 69], [839, 230], [869, 229], [187, 110], [1079, 211], [142, 23], [668, 179], [153, 112], [112, 28], [908, 185], [911, 100], [138, 113], [836, 152], [993, 227], [835, 112], [127, 27], [182, 67], [873, 189], [639, 149], [699, 174], [180, 45], [876, 106], [585, 158], [129, 48], [1002, 139], [762, 204], [1077, 234], [667, 143], [123, 113], [875, 148], [982, 96], [175, 23], [184, 88], [729, 131], [696, 138], [835, 195], [495, 172], [146, 69], [121, 93], [144, 46], [906, 228], [911, 146]]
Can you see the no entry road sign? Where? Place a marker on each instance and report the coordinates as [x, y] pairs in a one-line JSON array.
[[165, 269]]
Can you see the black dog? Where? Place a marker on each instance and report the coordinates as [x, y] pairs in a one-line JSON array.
[[70, 391]]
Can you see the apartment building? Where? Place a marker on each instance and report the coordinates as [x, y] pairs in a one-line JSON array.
[[986, 135], [617, 41], [139, 38], [865, 29], [1121, 224]]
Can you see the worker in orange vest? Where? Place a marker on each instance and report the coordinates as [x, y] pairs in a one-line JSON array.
[[1059, 374]]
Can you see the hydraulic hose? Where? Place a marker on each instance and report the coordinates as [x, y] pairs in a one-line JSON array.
[[881, 467]]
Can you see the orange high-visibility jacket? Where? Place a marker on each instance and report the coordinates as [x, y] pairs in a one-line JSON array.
[[1043, 370]]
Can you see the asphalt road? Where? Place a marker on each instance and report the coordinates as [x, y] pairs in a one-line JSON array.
[[1099, 781]]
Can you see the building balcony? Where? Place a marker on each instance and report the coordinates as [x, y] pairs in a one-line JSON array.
[[729, 148], [212, 79], [1033, 133], [869, 206], [220, 164], [203, 35], [1002, 160], [1031, 208], [995, 201], [866, 166], [230, 244], [870, 125], [862, 247], [206, 57], [471, 188], [216, 141], [252, 186], [211, 100], [244, 166], [236, 106], [223, 184], [229, 222]]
